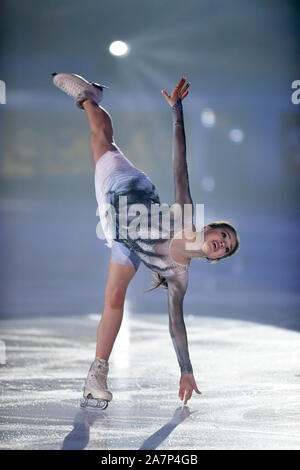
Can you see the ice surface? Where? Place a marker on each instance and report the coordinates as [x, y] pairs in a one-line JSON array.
[[248, 375]]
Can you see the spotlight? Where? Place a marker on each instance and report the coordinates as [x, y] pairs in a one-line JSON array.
[[119, 48], [208, 117], [236, 136]]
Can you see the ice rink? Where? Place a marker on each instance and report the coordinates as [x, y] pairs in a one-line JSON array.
[[248, 375]]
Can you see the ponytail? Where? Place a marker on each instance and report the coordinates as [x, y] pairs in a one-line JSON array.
[[160, 281]]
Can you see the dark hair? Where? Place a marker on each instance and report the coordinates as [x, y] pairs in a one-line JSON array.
[[161, 281]]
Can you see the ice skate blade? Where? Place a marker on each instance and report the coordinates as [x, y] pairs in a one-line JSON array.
[[93, 403]]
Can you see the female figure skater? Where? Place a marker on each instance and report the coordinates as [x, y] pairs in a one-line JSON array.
[[168, 258]]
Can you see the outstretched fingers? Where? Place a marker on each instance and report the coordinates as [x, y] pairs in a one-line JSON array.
[[195, 387], [185, 394], [185, 90], [187, 385], [188, 395], [180, 84]]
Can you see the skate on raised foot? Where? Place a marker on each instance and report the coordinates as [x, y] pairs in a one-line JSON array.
[[78, 87], [95, 392]]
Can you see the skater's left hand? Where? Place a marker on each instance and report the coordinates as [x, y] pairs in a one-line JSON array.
[[180, 91], [186, 387]]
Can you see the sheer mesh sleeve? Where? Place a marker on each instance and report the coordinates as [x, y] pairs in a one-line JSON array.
[[181, 179], [177, 286]]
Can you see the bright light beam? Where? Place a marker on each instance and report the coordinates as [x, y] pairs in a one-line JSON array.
[[119, 48]]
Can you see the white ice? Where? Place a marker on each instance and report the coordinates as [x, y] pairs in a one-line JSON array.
[[248, 374]]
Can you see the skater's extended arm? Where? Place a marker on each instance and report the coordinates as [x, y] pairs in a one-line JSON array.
[[181, 179], [176, 291]]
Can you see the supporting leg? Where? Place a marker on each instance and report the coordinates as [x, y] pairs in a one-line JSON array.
[[101, 129], [119, 277]]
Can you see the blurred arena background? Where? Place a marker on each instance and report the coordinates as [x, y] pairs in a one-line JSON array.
[[243, 137]]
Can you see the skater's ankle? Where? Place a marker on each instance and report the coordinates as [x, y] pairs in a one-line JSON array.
[[88, 103], [98, 358]]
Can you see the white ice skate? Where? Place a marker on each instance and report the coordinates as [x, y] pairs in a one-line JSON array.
[[78, 87], [95, 393]]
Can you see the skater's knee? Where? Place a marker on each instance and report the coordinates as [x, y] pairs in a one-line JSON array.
[[116, 297]]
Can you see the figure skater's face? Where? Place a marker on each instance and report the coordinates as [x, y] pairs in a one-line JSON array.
[[218, 242]]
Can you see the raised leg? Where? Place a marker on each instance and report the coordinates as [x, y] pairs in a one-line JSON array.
[[119, 277], [101, 129]]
